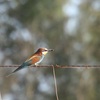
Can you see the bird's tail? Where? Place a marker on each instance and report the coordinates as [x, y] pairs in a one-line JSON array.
[[19, 68]]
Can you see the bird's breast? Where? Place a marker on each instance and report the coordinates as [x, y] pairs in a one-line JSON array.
[[41, 58]]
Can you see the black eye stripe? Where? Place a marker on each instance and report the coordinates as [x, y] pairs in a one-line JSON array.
[[45, 50]]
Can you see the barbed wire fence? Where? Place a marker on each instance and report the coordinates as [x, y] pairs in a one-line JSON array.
[[58, 66], [54, 73]]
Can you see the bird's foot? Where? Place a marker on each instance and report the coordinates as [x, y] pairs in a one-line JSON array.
[[57, 65]]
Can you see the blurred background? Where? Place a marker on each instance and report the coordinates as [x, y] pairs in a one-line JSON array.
[[70, 27]]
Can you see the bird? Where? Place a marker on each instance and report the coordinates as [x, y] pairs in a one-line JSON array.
[[35, 59]]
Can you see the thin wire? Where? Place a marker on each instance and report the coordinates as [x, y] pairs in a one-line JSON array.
[[58, 66], [55, 82], [0, 96]]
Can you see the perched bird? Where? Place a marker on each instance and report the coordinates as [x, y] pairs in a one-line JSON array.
[[35, 59]]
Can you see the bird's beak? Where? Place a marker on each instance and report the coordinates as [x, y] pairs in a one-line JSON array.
[[49, 50]]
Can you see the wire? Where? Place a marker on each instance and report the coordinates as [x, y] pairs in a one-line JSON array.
[[55, 83], [0, 96], [59, 66]]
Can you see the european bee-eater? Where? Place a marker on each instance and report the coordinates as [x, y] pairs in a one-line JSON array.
[[35, 59]]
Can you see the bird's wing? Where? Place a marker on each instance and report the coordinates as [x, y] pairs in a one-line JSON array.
[[33, 59]]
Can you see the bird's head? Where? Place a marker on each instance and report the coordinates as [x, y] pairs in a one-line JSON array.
[[44, 51]]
